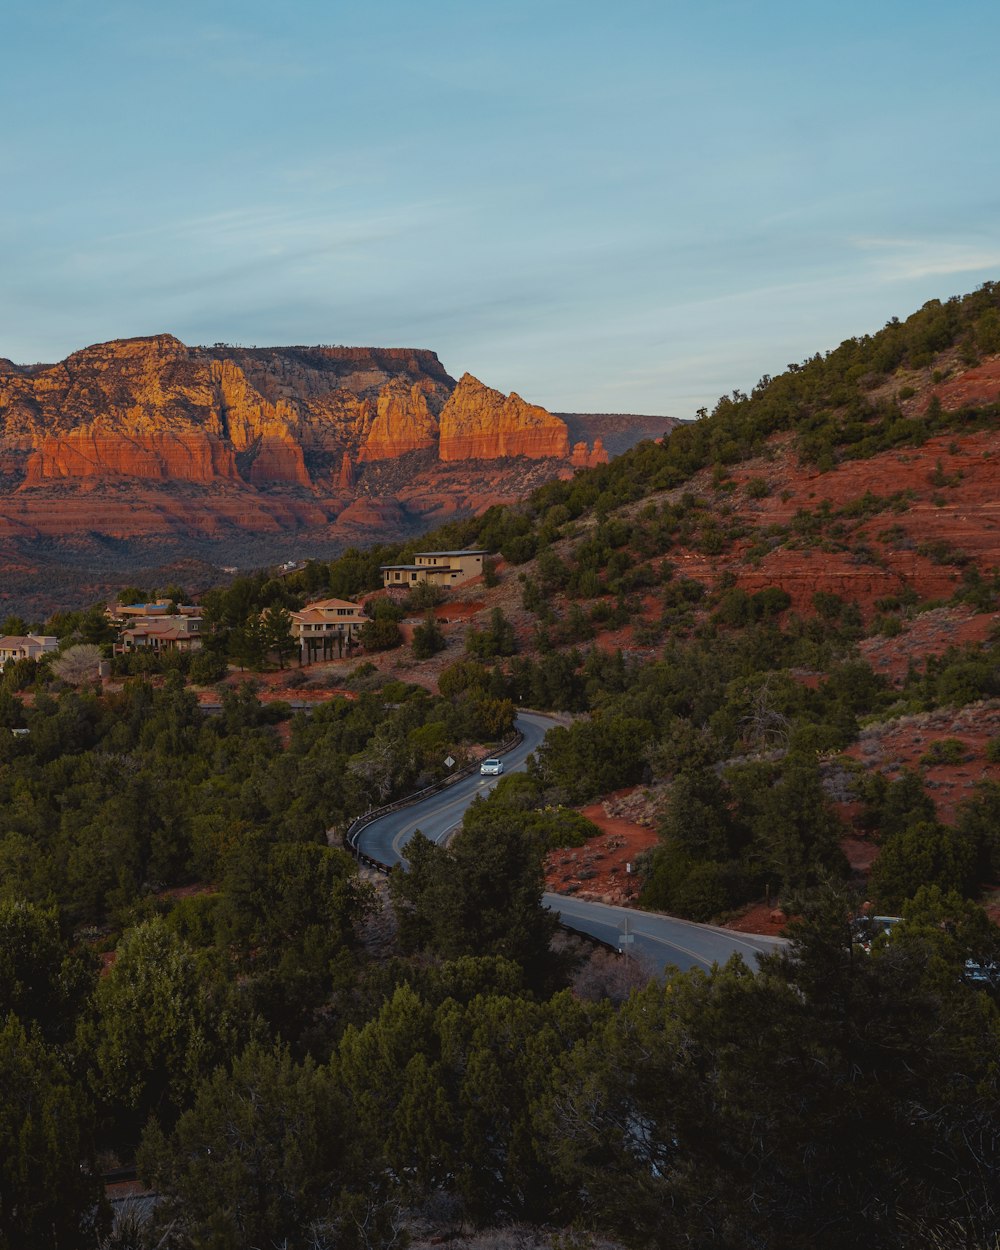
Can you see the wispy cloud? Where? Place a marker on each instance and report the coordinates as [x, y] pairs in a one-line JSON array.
[[906, 260]]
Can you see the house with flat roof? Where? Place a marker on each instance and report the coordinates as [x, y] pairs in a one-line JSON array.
[[440, 568], [26, 647], [142, 611]]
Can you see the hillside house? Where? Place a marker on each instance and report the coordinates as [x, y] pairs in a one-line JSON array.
[[153, 627], [326, 627], [126, 613], [440, 568], [26, 647]]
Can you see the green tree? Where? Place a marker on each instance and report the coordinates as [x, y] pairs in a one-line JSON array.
[[41, 981], [151, 1033], [594, 756], [428, 638], [258, 1160], [380, 634], [480, 896], [927, 853], [51, 1196], [276, 623]]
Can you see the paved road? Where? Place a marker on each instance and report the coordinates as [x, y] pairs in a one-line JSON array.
[[656, 940], [440, 814]]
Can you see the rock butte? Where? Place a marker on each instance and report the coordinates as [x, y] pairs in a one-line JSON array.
[[156, 410], [148, 442]]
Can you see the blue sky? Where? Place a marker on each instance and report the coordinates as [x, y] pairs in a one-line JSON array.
[[629, 208]]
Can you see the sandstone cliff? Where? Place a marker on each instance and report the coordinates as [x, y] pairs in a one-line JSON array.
[[155, 410], [137, 451], [479, 423], [403, 423]]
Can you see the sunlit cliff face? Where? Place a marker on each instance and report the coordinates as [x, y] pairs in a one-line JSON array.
[[155, 410]]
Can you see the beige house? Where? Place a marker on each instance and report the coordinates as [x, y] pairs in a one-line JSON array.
[[326, 625], [26, 647], [440, 568]]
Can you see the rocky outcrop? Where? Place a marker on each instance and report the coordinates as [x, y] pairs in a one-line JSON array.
[[403, 423], [479, 423], [585, 458], [156, 410], [306, 417], [346, 477], [263, 434], [131, 452]]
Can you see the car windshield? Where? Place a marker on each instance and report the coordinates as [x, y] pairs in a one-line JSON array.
[[492, 763]]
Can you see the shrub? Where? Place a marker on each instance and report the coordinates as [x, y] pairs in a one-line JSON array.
[[380, 635], [945, 751], [428, 638], [757, 488], [207, 668]]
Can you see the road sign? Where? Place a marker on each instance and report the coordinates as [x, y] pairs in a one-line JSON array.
[[449, 762]]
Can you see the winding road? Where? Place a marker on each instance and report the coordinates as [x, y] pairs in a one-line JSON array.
[[654, 939]]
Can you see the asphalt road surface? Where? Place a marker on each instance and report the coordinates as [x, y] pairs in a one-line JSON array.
[[653, 939]]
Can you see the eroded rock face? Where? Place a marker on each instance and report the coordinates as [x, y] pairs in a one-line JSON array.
[[479, 423], [93, 451], [252, 452], [156, 410], [403, 422]]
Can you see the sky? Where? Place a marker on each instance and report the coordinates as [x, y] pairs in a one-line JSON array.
[[627, 207]]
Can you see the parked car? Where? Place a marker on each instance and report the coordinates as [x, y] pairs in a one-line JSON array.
[[491, 768]]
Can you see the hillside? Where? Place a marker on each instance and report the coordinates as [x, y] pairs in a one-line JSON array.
[[830, 586], [779, 694]]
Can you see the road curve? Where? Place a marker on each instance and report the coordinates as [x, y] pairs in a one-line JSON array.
[[440, 814], [656, 940]]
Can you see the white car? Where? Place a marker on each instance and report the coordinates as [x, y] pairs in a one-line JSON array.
[[491, 768]]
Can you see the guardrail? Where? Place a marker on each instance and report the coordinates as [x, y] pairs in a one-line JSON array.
[[362, 822]]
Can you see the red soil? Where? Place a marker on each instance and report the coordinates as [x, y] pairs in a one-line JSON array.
[[598, 870], [905, 742], [929, 633]]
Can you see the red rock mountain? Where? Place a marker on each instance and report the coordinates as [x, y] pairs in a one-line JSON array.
[[147, 441], [478, 423], [156, 410]]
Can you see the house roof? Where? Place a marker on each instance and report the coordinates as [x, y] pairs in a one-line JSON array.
[[309, 615], [9, 641], [159, 609], [466, 551], [332, 603]]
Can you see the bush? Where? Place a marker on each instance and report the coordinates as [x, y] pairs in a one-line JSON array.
[[380, 635], [945, 751], [207, 668], [428, 638], [424, 595]]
